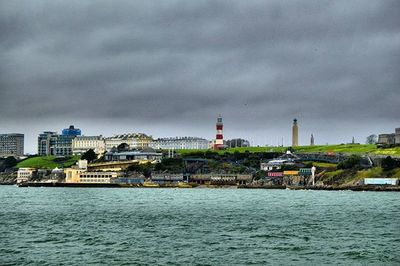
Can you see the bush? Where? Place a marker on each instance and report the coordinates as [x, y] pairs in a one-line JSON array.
[[260, 175], [354, 161], [174, 165], [10, 161], [144, 169]]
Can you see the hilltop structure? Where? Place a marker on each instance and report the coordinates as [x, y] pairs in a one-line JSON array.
[[390, 139], [234, 143], [312, 140], [295, 134]]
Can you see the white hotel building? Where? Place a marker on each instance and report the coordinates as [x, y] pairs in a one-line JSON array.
[[81, 144], [134, 141], [184, 143]]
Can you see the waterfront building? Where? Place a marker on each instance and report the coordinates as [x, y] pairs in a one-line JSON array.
[[133, 140], [139, 180], [25, 174], [233, 143], [97, 177], [381, 181], [133, 155], [164, 178], [221, 179], [295, 134], [219, 138], [11, 145], [82, 144], [57, 174], [75, 175], [180, 143], [72, 174]]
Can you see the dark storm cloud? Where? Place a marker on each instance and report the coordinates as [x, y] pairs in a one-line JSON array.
[[175, 61]]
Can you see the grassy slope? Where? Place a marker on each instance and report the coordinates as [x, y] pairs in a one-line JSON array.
[[346, 148], [324, 165], [351, 177], [48, 162]]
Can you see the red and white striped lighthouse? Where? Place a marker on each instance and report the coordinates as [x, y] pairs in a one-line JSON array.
[[219, 139]]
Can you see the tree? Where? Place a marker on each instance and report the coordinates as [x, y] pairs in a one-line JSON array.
[[388, 163], [260, 175], [144, 169], [89, 155], [9, 162], [372, 139], [173, 165]]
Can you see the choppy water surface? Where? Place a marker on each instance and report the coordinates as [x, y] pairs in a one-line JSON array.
[[81, 226]]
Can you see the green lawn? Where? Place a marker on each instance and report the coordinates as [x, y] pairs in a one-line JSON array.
[[324, 165], [342, 148], [48, 162]]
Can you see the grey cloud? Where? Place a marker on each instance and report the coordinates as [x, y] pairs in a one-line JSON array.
[[174, 65]]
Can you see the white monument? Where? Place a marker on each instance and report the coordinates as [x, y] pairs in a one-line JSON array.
[[313, 169]]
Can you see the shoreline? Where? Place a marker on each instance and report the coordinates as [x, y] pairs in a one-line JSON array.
[[328, 188]]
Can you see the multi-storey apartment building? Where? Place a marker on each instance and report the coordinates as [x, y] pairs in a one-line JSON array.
[[46, 143], [116, 140], [81, 144], [51, 143], [134, 141], [143, 140], [180, 143], [11, 145]]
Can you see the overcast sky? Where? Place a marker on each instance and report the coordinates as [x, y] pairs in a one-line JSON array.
[[168, 68]]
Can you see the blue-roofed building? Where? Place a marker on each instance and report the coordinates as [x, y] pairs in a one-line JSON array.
[[51, 143], [71, 131]]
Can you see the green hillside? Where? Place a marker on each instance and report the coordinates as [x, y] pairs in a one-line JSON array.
[[48, 162], [341, 148]]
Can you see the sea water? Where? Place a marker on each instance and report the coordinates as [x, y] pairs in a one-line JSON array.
[[155, 226]]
